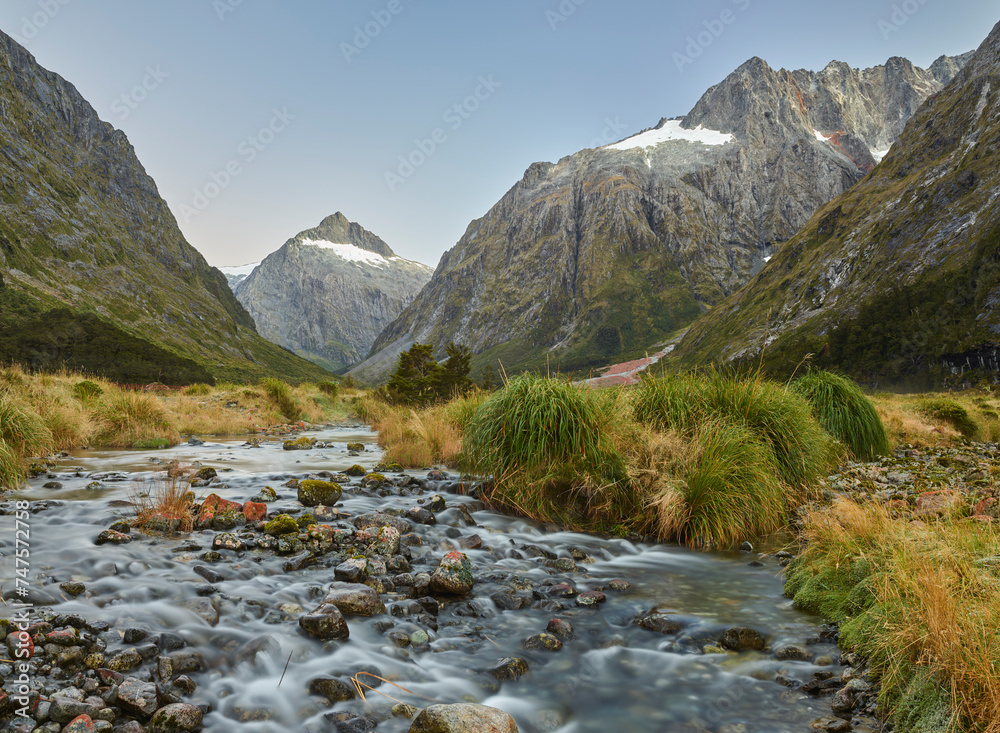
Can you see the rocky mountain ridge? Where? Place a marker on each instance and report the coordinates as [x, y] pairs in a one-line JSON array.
[[603, 254], [897, 281], [328, 292], [90, 251]]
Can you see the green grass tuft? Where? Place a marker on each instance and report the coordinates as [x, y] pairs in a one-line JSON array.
[[547, 445], [846, 413]]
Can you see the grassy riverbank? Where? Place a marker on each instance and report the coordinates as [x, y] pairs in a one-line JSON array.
[[910, 570], [42, 413]]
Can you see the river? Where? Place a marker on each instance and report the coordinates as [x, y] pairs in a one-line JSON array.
[[614, 676]]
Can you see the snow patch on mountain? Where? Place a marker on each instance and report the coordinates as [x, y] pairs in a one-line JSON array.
[[672, 130], [349, 252]]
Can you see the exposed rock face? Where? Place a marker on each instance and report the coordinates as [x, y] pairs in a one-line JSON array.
[[236, 275], [82, 226], [329, 291], [609, 250], [898, 280]]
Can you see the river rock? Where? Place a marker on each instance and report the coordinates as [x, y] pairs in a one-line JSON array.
[[136, 697], [202, 607], [378, 519], [420, 515], [832, 725], [742, 638], [509, 669], [561, 628], [354, 599], [319, 493], [354, 570], [325, 623], [109, 536], [125, 660], [661, 623], [302, 443], [543, 642], [63, 709], [176, 718], [792, 653], [82, 724], [453, 575], [332, 689], [463, 718]]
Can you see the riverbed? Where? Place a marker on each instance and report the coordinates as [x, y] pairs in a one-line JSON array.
[[612, 676]]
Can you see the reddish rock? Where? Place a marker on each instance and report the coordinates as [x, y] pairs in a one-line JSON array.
[[988, 507], [937, 503], [80, 724], [254, 512]]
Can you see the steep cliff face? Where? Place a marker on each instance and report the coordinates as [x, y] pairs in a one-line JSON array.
[[329, 291], [610, 250], [898, 280], [83, 228]]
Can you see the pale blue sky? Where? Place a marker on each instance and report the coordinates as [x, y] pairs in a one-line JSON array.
[[201, 79]]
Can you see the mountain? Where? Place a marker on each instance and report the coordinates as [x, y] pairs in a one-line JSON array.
[[896, 282], [329, 291], [236, 275], [94, 272], [603, 254]]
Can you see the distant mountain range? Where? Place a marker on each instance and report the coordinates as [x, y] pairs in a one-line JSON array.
[[329, 291], [897, 281], [608, 252], [94, 272]]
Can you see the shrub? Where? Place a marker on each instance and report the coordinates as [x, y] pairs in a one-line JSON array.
[[87, 390], [330, 389], [198, 390], [845, 412], [953, 413], [280, 393]]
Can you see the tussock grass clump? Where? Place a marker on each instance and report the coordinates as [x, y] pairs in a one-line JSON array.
[[726, 491], [547, 445], [803, 449], [920, 601], [198, 390], [126, 418], [280, 393], [23, 434], [330, 389], [845, 412]]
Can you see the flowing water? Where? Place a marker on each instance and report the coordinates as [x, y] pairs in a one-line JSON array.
[[615, 676]]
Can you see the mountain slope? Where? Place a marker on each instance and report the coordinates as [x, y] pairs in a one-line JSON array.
[[608, 251], [898, 280], [236, 275], [83, 229], [329, 291]]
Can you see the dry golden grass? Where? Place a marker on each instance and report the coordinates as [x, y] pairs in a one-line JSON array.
[[931, 601], [80, 410], [415, 438], [166, 499], [908, 420]]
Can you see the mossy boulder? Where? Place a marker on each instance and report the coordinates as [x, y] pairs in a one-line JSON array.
[[319, 493], [265, 496], [356, 471], [356, 447], [205, 474], [281, 525], [302, 443], [374, 481]]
